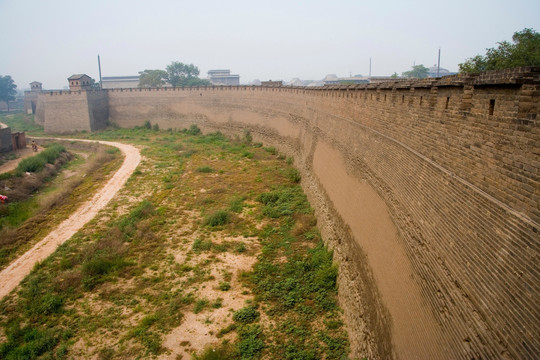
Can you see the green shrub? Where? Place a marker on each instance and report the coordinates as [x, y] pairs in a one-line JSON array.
[[246, 315], [193, 130], [294, 175], [147, 125], [250, 344], [217, 218], [155, 127], [224, 286]]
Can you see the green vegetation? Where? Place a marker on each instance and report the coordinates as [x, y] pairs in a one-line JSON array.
[[164, 249], [7, 89], [525, 51], [22, 122], [417, 71], [37, 162], [218, 218]]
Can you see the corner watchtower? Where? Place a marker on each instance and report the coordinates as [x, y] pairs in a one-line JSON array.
[[30, 97], [79, 82]]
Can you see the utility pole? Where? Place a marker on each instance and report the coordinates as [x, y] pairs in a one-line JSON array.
[[370, 68], [439, 63], [99, 66]]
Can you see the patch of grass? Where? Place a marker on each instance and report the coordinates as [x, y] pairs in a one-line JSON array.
[[270, 149], [205, 169], [236, 204], [200, 245], [284, 201], [218, 218], [200, 305], [294, 175], [27, 342], [224, 286], [37, 162]]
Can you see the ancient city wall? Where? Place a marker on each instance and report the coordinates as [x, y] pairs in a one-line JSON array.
[[428, 191]]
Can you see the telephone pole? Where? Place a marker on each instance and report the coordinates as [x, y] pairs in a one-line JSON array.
[[99, 66], [439, 63]]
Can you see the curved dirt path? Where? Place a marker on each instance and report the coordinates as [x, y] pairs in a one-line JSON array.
[[12, 275]]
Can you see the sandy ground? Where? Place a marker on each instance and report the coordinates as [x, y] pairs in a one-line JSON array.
[[12, 275], [21, 154]]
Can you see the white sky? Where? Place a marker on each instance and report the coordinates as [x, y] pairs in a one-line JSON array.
[[49, 40]]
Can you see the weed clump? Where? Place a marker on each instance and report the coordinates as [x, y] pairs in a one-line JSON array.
[[284, 201], [205, 169], [37, 163], [218, 218], [246, 315], [193, 130]]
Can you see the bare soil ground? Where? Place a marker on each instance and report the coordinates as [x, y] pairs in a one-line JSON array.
[[12, 275]]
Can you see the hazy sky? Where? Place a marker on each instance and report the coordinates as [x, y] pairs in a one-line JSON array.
[[49, 40]]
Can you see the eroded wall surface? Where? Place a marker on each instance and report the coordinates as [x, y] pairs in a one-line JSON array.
[[428, 192]]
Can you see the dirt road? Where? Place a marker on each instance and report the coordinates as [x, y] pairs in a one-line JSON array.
[[12, 275]]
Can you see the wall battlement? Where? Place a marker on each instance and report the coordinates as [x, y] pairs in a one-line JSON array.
[[453, 164]]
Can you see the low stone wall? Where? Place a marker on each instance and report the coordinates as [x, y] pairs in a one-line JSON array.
[[5, 139]]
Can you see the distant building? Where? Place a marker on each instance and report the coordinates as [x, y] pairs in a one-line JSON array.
[[120, 82], [272, 83], [332, 79], [80, 82], [223, 77], [442, 72], [30, 97]]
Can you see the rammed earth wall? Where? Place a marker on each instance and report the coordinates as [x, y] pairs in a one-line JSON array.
[[428, 192]]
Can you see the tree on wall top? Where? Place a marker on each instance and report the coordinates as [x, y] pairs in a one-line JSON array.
[[525, 51], [7, 89], [152, 78], [179, 74], [418, 71]]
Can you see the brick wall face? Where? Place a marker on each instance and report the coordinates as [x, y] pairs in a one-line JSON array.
[[70, 111], [457, 164]]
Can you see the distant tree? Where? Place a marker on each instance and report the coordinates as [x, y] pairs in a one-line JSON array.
[[525, 51], [95, 85], [418, 71], [179, 74], [394, 75], [7, 89], [152, 78]]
